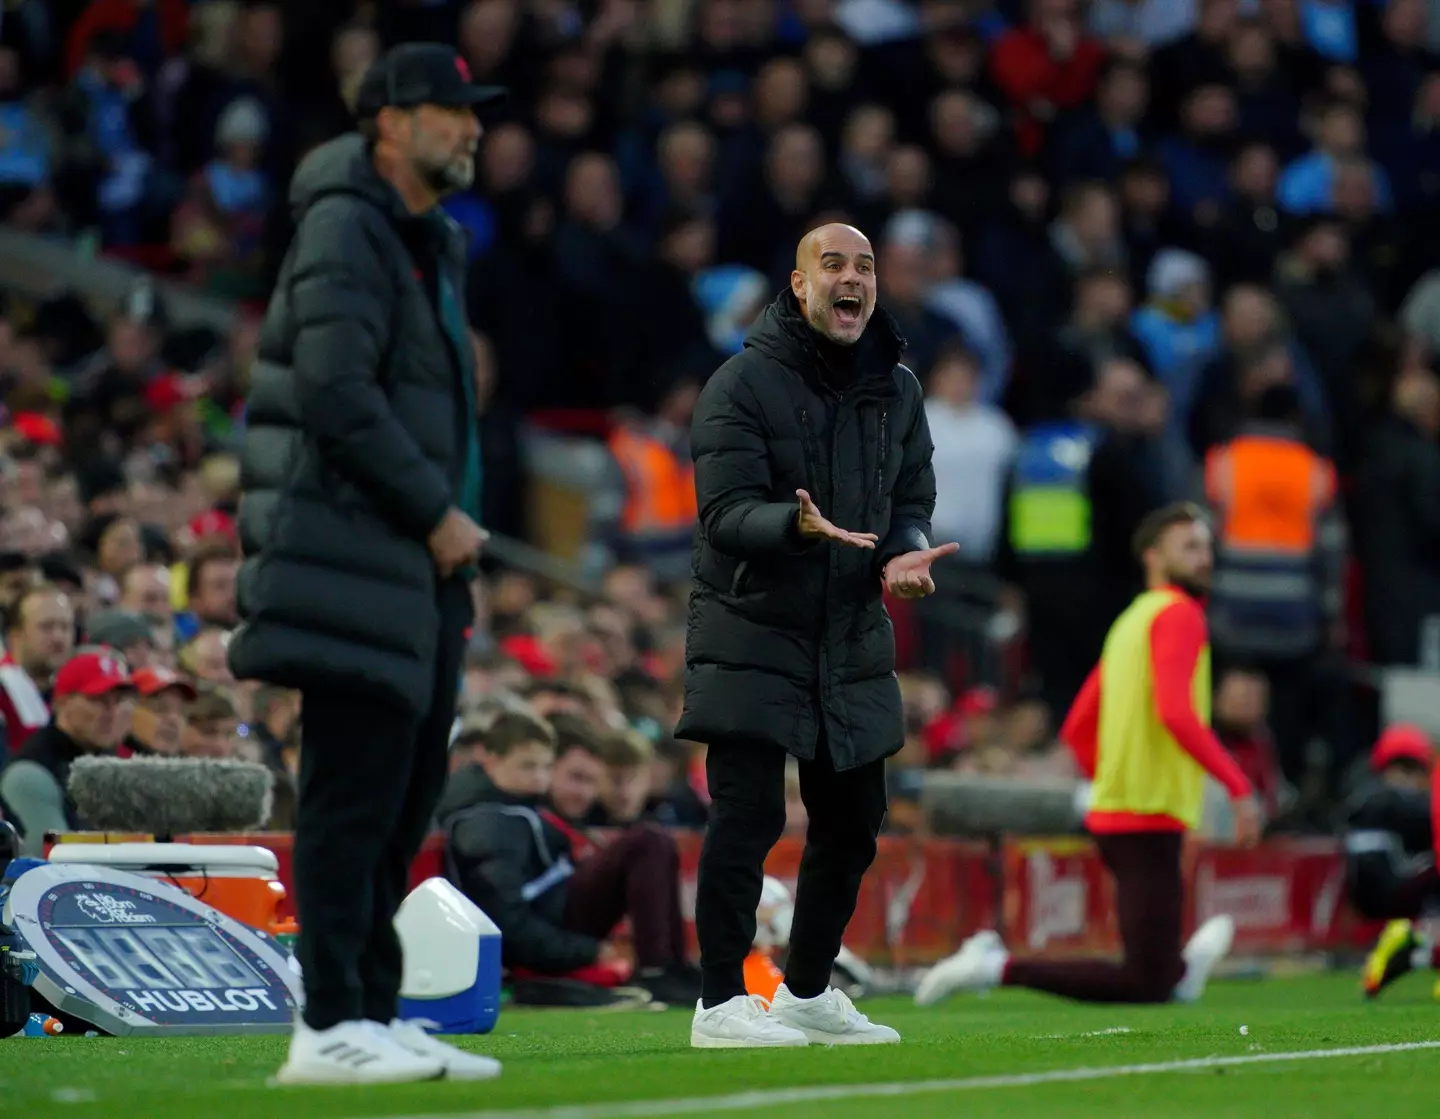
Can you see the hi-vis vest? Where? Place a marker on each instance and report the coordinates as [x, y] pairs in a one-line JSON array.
[[1269, 492], [659, 488], [1049, 495], [1139, 767]]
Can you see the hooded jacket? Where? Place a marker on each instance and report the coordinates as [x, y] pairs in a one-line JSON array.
[[512, 860], [783, 632], [360, 435]]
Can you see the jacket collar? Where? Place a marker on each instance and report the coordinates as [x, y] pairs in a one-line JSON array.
[[785, 336]]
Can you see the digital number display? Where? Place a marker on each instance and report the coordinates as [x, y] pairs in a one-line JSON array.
[[158, 958]]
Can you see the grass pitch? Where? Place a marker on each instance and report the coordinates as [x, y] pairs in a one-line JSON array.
[[1019, 1056]]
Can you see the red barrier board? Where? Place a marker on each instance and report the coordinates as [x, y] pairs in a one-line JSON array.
[[1058, 898], [922, 898]]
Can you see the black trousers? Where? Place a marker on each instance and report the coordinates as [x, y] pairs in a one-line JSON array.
[[747, 815], [370, 777]]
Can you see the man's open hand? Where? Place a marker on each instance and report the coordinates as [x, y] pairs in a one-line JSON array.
[[815, 527], [1248, 825], [908, 575], [456, 541]]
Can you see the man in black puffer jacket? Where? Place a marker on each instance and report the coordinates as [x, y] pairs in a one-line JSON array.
[[790, 650], [361, 492]]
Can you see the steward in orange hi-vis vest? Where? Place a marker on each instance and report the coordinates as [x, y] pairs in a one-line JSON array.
[[1140, 730]]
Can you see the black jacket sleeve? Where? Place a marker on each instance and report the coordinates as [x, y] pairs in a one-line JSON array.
[[732, 474], [341, 300], [491, 851], [913, 502]]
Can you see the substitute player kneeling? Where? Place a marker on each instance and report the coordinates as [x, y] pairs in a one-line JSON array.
[[1140, 731]]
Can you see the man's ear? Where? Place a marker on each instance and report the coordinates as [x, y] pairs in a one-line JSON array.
[[797, 285]]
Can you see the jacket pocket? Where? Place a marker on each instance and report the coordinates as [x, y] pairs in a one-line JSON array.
[[737, 581]]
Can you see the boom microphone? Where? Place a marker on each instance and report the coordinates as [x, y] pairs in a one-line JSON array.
[[166, 797], [970, 804]]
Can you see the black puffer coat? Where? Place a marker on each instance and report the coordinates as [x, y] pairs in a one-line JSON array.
[[783, 632], [355, 444]]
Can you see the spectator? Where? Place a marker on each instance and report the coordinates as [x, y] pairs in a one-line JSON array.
[[145, 590], [1242, 704], [972, 159], [1085, 237], [579, 774], [1178, 326], [18, 573], [212, 725], [902, 273], [964, 302], [91, 717], [39, 639], [220, 224], [204, 656], [1275, 505], [1267, 102], [866, 143], [1046, 67], [1307, 185], [1397, 511], [1059, 371], [1197, 161], [157, 723], [1258, 351], [625, 792], [128, 634], [975, 444], [26, 153], [1248, 236], [1137, 26], [210, 591], [1096, 142], [1333, 316], [518, 865], [275, 717], [1197, 59]]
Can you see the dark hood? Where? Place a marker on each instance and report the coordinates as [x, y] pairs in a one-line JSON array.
[[472, 786], [342, 166], [782, 333]]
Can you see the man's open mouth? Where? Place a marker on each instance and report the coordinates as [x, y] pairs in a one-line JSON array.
[[847, 309]]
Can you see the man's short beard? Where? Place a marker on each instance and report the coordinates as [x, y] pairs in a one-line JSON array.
[[1193, 587], [448, 176]]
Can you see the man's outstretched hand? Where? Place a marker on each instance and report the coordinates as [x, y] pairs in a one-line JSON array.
[[908, 575], [813, 526]]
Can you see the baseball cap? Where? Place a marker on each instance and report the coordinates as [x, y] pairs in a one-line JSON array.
[[152, 680], [213, 522], [92, 674], [118, 628], [1402, 742], [421, 74]]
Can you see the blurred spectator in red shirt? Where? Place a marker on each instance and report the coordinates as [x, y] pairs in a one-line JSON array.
[[1242, 703], [1046, 67]]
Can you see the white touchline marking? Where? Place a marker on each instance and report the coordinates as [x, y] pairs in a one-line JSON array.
[[766, 1100]]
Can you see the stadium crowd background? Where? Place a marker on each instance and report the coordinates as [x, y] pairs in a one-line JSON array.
[[1116, 236]]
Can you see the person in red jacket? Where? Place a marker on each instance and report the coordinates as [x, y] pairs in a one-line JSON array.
[[123, 16], [1046, 67]]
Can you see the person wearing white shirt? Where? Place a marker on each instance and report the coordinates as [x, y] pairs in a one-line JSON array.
[[975, 444]]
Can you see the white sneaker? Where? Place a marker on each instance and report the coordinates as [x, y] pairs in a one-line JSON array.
[[459, 1064], [978, 966], [353, 1053], [829, 1018], [740, 1023], [1210, 944]]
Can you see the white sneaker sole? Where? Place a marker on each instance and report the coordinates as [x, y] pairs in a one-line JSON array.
[[472, 1074], [704, 1041], [321, 1076], [820, 1037]]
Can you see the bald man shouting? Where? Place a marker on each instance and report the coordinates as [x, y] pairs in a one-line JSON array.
[[813, 476]]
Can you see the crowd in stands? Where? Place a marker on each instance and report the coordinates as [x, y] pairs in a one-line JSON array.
[[1140, 249]]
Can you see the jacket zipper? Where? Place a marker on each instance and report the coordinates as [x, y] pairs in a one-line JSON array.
[[882, 455], [739, 577]]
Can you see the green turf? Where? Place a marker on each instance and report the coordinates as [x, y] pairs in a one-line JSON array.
[[562, 1057]]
